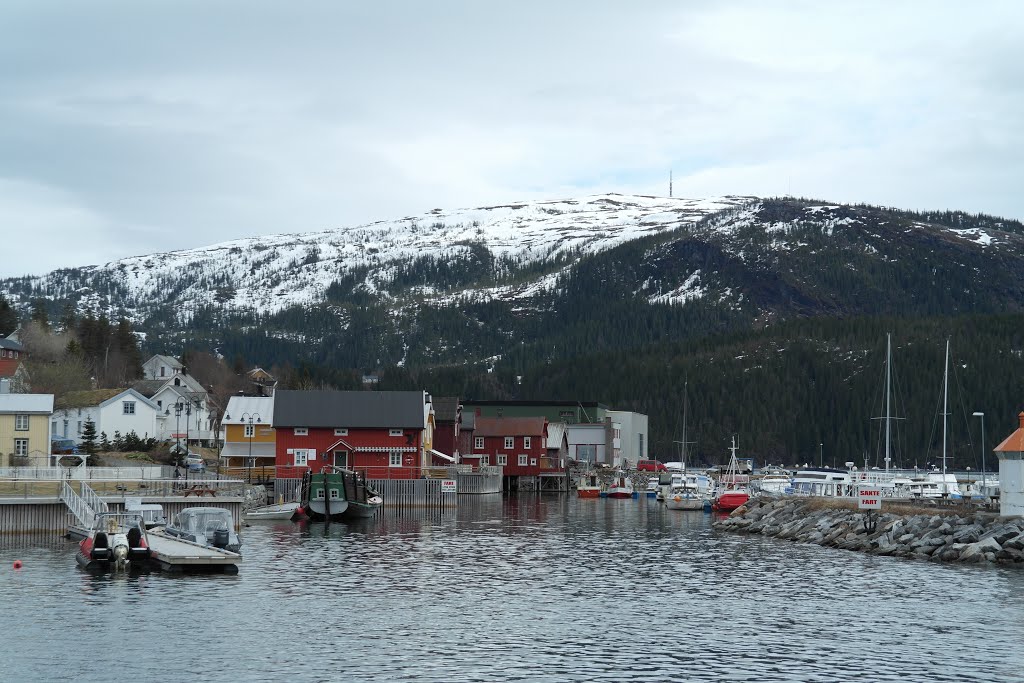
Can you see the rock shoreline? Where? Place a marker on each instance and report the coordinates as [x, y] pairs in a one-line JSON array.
[[941, 536]]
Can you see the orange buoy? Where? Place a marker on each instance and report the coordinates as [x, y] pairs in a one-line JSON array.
[[17, 564]]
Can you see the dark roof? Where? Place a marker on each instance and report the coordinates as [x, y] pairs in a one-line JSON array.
[[446, 408], [509, 426], [148, 387], [355, 409]]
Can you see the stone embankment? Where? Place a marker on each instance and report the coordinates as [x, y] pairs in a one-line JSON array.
[[941, 535]]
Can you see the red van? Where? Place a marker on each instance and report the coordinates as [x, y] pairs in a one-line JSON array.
[[651, 466]]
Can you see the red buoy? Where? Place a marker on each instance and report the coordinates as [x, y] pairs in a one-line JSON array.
[[17, 564]]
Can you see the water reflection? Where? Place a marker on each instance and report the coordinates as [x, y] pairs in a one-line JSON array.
[[534, 587]]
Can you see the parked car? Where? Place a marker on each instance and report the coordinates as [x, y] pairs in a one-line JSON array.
[[63, 447], [651, 466], [194, 462]]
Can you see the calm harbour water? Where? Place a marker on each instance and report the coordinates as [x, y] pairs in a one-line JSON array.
[[518, 589]]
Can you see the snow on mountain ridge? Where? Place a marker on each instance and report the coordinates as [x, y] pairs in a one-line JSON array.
[[272, 272]]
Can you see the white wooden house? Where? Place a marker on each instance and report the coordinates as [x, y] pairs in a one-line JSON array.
[[112, 410]]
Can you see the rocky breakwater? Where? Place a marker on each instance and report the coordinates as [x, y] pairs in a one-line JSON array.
[[901, 531]]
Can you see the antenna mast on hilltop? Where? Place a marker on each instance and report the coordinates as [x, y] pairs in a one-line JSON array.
[[670, 182]]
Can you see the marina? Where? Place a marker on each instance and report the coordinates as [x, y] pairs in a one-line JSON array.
[[769, 603]]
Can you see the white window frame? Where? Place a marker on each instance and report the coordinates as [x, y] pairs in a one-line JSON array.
[[526, 442], [523, 459], [478, 443], [128, 407], [300, 431], [502, 460], [319, 494], [485, 461], [395, 432], [341, 431], [53, 427], [21, 446], [394, 458], [249, 431], [335, 494], [533, 462], [301, 457], [21, 423], [510, 442]]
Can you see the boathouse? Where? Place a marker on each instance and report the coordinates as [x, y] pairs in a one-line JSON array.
[[386, 434], [1011, 472], [519, 446]]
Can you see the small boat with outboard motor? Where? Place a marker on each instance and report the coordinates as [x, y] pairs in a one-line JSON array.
[[117, 541], [207, 526]]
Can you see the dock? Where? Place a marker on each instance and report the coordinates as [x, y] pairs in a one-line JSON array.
[[178, 555]]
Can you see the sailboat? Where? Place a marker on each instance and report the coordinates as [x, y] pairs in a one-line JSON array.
[[732, 495], [938, 483], [684, 493]]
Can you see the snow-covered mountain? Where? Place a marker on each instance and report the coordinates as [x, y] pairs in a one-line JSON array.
[[270, 273]]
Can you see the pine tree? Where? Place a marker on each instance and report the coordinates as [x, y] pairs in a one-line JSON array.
[[89, 437], [8, 317]]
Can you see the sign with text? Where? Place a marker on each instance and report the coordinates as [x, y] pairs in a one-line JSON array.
[[448, 486], [869, 497]]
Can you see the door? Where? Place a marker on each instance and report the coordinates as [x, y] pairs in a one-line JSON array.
[[341, 459]]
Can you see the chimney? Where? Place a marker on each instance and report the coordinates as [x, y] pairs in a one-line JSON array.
[[5, 387], [1019, 417]]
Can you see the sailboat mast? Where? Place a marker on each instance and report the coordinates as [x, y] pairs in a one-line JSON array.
[[888, 397], [685, 384], [945, 412]]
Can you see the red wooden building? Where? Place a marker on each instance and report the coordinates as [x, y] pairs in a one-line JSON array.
[[518, 444], [447, 416], [387, 434]]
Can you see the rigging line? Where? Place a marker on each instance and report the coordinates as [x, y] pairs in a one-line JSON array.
[[963, 410], [935, 419]]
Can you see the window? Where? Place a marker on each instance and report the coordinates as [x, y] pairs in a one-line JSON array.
[[301, 431], [65, 428], [533, 462], [128, 407], [341, 431], [502, 459], [510, 442], [394, 432], [526, 442], [319, 494], [21, 446], [478, 443], [334, 494], [53, 427], [250, 431], [21, 423], [395, 459], [159, 404], [523, 459], [640, 453], [163, 370], [79, 426], [485, 460], [301, 457]]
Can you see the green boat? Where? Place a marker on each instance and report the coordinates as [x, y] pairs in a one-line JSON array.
[[335, 494]]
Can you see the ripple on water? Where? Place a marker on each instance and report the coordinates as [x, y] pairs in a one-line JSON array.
[[529, 588]]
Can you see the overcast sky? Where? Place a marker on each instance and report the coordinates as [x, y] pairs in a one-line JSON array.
[[136, 127]]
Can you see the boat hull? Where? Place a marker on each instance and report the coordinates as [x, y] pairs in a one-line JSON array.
[[616, 493], [356, 510], [279, 512], [684, 503], [727, 502], [317, 510], [589, 492]]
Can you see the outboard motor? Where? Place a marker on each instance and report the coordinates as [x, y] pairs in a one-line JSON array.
[[221, 538], [120, 550]]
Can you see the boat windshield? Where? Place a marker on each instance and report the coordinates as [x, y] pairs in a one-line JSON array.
[[198, 520]]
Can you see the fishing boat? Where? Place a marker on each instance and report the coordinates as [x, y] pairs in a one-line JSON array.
[[589, 486], [117, 541], [621, 486], [208, 526], [732, 494], [652, 487], [278, 511]]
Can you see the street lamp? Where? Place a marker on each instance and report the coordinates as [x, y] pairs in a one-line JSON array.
[[821, 455], [186, 408], [984, 481], [250, 430]]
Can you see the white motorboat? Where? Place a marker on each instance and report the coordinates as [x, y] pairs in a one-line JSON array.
[[209, 526], [821, 481], [279, 511], [775, 482], [685, 495]]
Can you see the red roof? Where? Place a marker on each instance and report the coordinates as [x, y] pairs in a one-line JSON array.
[[1014, 443], [510, 426]]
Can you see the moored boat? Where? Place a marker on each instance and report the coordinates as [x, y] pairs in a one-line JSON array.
[[209, 526], [117, 541], [621, 486], [336, 493], [732, 494], [588, 486], [278, 511]]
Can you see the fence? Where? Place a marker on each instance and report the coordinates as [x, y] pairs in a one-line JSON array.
[[141, 473], [397, 493]]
